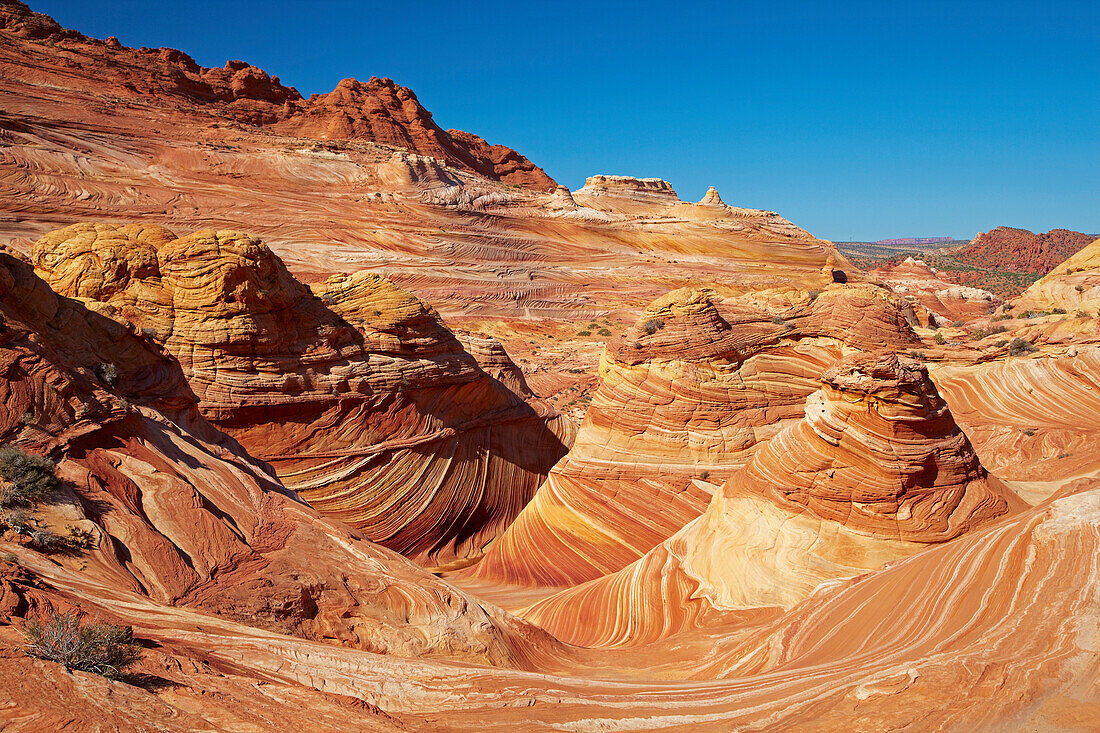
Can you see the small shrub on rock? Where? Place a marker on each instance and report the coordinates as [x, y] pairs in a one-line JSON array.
[[46, 541], [653, 325], [107, 373], [24, 478], [1020, 347], [104, 649]]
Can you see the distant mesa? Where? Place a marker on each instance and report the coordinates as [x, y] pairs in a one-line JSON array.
[[914, 240]]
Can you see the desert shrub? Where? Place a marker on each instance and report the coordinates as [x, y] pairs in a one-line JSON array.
[[958, 324], [17, 520], [1028, 432], [78, 539], [1002, 317], [939, 339], [585, 332], [1082, 314], [1020, 346], [653, 325], [24, 478], [1008, 306], [104, 649], [779, 320], [981, 333], [916, 354], [704, 475], [377, 313], [1000, 344], [46, 541], [1079, 288], [1059, 311], [107, 373], [603, 332]]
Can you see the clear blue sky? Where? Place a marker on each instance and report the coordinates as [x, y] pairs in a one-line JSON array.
[[858, 119]]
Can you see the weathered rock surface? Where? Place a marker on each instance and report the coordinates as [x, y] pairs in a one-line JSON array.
[[378, 110], [178, 512], [876, 470], [1018, 250], [358, 395], [683, 400], [1073, 285], [949, 301]]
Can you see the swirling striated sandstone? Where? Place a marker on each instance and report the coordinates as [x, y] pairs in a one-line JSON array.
[[1035, 421], [178, 512], [683, 400], [875, 470], [364, 402]]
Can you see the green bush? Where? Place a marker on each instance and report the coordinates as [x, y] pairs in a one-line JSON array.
[[25, 479], [939, 339], [584, 333], [104, 649], [603, 332], [653, 325], [1020, 346]]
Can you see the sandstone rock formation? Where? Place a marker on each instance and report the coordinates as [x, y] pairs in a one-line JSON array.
[[1073, 285], [1018, 250], [358, 395], [951, 302], [876, 470], [683, 400], [179, 513], [378, 111]]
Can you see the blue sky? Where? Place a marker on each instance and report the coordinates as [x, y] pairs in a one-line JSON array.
[[860, 120]]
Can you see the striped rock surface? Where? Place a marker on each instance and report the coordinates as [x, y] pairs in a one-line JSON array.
[[358, 395], [683, 401], [876, 470]]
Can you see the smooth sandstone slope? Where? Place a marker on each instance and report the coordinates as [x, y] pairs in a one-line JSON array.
[[357, 395], [994, 630], [684, 398], [876, 470]]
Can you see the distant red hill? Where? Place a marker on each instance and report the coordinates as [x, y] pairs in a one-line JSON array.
[[1008, 249]]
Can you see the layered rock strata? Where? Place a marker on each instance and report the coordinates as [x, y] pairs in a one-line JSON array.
[[358, 395], [684, 399], [876, 470]]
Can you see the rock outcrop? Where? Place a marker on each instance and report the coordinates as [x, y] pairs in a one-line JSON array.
[[684, 399], [358, 395], [378, 110], [876, 470], [179, 513], [1019, 250], [915, 279], [1073, 285]]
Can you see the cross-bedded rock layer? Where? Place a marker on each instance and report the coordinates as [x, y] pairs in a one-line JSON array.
[[683, 400], [876, 470], [358, 395]]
